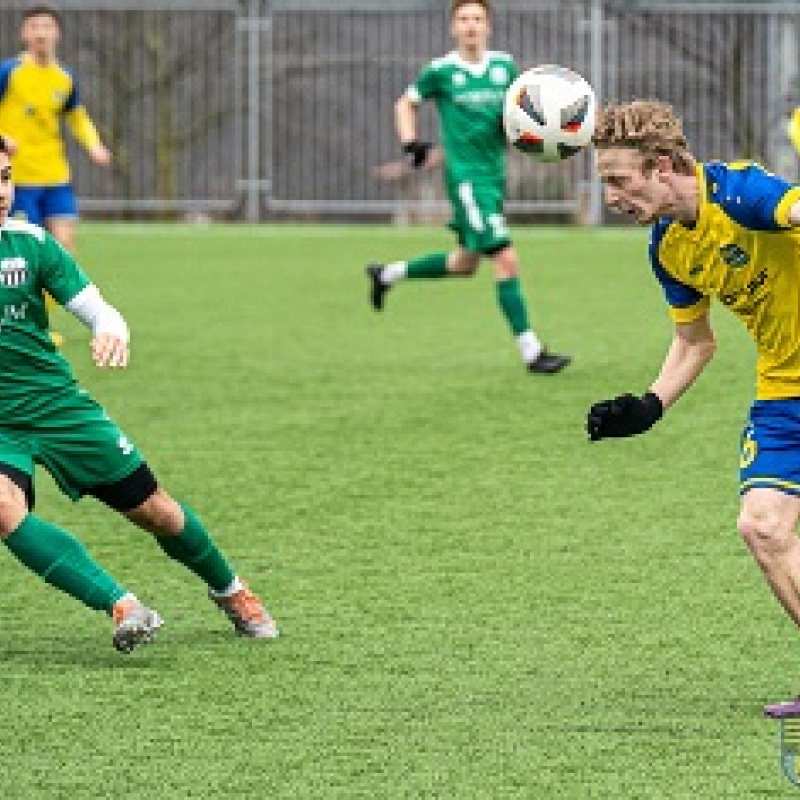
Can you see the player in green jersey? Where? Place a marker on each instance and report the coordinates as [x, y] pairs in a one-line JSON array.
[[468, 87], [46, 419]]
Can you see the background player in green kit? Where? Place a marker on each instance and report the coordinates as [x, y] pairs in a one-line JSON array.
[[468, 87], [45, 418]]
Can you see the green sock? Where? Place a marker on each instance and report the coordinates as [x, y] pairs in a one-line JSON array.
[[434, 265], [59, 558], [512, 303], [195, 549]]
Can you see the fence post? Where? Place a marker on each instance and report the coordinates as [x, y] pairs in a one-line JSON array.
[[596, 80], [252, 191]]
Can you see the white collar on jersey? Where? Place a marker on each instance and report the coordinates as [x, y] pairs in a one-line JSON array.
[[475, 68]]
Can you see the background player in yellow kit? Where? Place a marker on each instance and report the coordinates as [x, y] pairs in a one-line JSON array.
[[36, 92], [729, 231]]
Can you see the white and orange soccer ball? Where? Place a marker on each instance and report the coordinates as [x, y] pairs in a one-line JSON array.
[[549, 112]]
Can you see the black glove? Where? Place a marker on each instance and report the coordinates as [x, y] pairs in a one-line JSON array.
[[625, 415], [416, 153]]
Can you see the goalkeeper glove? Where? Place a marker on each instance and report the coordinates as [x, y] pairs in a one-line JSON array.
[[625, 415], [416, 153]]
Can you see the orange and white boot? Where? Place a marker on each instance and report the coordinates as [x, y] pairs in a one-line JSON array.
[[246, 611], [134, 623]]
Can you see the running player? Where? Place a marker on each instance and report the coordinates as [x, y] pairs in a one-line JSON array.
[[468, 86]]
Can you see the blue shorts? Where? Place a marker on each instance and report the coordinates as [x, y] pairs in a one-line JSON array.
[[770, 447], [38, 204]]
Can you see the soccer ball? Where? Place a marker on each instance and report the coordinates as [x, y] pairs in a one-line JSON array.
[[549, 112]]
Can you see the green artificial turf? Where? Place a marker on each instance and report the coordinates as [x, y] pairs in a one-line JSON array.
[[475, 602]]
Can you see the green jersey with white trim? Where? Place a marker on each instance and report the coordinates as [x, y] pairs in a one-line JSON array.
[[32, 371], [469, 98]]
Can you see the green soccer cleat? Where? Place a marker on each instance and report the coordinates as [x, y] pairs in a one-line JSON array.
[[134, 624], [247, 613]]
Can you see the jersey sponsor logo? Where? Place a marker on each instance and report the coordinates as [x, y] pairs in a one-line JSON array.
[[479, 97], [13, 272], [734, 256], [13, 313], [753, 285], [498, 75], [696, 270]]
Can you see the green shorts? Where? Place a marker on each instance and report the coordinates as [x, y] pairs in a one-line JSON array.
[[75, 441], [478, 216]]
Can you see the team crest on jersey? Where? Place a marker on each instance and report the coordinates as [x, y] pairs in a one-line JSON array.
[[734, 256], [13, 272], [498, 75], [459, 79]]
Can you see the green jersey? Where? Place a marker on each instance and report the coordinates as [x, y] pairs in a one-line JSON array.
[[469, 98], [33, 373]]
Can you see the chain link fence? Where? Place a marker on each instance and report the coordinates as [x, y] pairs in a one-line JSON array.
[[268, 109]]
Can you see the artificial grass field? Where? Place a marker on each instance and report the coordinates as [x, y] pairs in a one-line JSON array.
[[475, 602]]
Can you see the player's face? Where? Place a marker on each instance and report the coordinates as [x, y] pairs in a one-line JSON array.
[[6, 188], [629, 188], [470, 27], [40, 35]]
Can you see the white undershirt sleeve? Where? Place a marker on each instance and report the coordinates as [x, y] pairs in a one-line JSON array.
[[90, 308]]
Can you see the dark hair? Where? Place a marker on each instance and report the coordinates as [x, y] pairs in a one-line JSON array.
[[456, 4], [42, 10]]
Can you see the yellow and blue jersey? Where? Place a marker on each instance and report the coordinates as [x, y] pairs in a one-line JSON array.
[[33, 101], [743, 251]]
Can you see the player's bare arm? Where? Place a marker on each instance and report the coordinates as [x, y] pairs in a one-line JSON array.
[[405, 110], [692, 348], [794, 214]]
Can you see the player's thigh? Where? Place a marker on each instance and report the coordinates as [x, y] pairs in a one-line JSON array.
[[60, 213], [770, 448], [27, 204], [82, 448], [16, 481], [478, 216]]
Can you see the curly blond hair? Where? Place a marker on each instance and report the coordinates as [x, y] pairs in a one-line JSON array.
[[650, 126]]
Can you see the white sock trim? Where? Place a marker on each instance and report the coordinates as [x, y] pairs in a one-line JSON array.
[[529, 346], [236, 586], [394, 272]]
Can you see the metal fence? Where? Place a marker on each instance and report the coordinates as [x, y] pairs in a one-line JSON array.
[[263, 109]]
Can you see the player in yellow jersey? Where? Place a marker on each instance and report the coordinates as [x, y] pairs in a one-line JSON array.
[[730, 232], [794, 129], [36, 92]]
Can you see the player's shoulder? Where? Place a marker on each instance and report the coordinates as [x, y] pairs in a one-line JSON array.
[[21, 228], [725, 178], [447, 61], [8, 65]]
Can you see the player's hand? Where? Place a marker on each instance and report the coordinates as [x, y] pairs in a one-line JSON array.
[[100, 154], [415, 153], [625, 415], [11, 145], [109, 350]]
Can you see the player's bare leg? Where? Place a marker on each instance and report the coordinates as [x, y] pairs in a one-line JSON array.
[[63, 562], [182, 536], [63, 230], [768, 523], [512, 304]]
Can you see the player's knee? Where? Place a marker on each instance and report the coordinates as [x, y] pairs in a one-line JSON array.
[[765, 532], [506, 264], [13, 510], [464, 264], [159, 514]]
